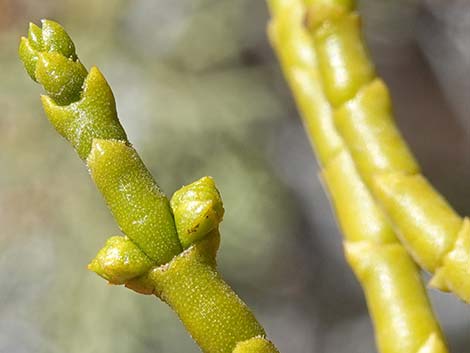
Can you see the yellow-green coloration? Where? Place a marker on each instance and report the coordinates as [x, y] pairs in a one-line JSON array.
[[338, 33], [412, 204], [197, 209], [433, 345], [214, 307], [371, 107], [93, 116], [50, 59], [455, 266], [426, 224], [51, 38], [141, 210], [402, 316], [255, 344], [207, 248], [359, 216], [341, 4], [213, 314], [395, 296], [300, 69], [149, 258], [120, 260], [79, 105], [191, 285], [62, 78]]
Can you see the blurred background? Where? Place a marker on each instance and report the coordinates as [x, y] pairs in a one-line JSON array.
[[199, 92]]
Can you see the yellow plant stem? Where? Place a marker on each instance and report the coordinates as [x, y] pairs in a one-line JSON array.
[[401, 313], [432, 232]]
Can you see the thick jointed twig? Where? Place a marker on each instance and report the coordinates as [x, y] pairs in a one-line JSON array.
[[400, 309], [168, 250], [432, 232]]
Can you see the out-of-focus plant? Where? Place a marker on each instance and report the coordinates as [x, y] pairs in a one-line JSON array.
[[435, 236], [170, 247], [347, 114]]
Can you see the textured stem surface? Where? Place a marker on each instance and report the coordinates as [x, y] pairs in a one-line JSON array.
[[149, 258]]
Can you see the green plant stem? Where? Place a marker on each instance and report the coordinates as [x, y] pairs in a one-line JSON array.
[[150, 259], [401, 313]]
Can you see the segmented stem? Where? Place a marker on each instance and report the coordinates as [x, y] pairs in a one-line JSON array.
[[401, 313], [432, 232], [167, 250]]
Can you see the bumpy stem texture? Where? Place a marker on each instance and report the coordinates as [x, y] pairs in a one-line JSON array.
[[429, 228], [169, 249], [401, 313]]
